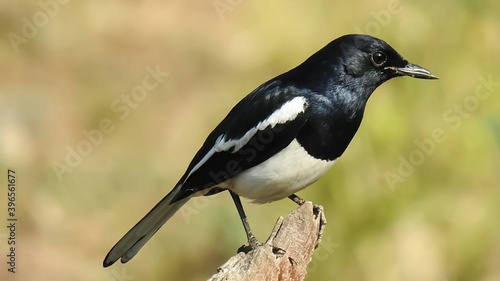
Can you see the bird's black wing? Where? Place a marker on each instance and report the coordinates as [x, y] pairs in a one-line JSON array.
[[259, 126]]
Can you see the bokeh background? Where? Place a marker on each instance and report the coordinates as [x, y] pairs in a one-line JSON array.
[[415, 197]]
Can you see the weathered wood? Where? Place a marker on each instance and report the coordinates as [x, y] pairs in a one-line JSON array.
[[286, 253]]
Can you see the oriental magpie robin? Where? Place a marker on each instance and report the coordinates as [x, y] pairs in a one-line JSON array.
[[284, 135]]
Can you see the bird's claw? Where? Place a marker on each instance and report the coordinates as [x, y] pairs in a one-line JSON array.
[[319, 212], [253, 244]]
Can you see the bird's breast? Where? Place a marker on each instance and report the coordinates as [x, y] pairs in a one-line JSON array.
[[285, 173]]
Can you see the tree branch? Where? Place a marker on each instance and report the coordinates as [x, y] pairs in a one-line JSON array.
[[286, 253]]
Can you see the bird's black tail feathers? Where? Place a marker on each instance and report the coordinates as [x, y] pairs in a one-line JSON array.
[[136, 237]]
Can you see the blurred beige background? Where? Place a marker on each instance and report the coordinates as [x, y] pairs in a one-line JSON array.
[[415, 197]]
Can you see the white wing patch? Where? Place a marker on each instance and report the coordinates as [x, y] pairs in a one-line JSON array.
[[287, 112]]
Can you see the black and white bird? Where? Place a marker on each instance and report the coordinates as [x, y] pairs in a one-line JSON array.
[[283, 136]]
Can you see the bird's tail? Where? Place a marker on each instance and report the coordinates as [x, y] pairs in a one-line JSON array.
[[136, 237]]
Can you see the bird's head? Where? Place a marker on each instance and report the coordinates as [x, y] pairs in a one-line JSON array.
[[358, 64], [352, 66], [364, 55]]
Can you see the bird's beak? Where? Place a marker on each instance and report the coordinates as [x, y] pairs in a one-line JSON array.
[[414, 71]]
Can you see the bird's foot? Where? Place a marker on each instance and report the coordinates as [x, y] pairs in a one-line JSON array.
[[319, 212], [253, 244]]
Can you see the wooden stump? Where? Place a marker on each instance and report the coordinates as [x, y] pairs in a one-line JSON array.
[[286, 253]]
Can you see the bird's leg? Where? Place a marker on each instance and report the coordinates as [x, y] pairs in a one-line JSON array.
[[254, 243], [297, 199]]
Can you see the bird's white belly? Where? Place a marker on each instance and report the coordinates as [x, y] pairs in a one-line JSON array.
[[287, 172]]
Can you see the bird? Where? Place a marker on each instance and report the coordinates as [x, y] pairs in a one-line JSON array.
[[282, 136]]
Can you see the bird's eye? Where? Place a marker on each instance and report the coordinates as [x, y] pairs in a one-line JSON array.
[[378, 58]]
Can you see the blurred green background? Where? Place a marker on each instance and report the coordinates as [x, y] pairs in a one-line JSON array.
[[415, 197]]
